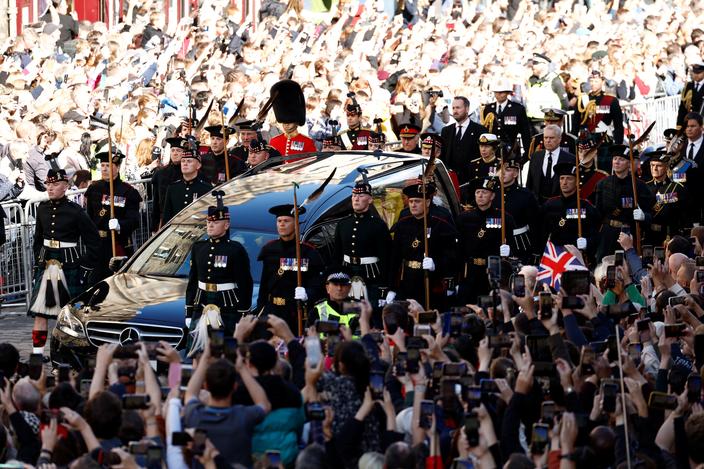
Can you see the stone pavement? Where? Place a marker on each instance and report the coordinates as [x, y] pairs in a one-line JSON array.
[[16, 328]]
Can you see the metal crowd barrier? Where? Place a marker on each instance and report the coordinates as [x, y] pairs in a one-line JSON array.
[[662, 111], [17, 257]]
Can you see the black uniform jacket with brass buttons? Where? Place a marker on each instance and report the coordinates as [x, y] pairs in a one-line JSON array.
[[126, 202], [279, 273], [363, 235], [480, 234], [558, 220], [220, 261], [180, 194], [65, 221], [408, 251]]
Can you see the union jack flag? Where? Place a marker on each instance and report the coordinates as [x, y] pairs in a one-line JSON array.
[[556, 260]]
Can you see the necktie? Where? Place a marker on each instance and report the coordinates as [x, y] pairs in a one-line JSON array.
[[548, 170], [459, 133], [501, 110], [691, 152]]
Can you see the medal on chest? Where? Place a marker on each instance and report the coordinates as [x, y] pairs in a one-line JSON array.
[[289, 264], [571, 213], [119, 201], [493, 222], [296, 146], [626, 202], [221, 177], [510, 120], [220, 261]]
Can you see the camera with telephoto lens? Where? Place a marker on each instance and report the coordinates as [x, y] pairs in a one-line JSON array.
[[435, 93]]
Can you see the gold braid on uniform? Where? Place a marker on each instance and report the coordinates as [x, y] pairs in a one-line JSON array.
[[587, 111], [687, 99], [487, 120]]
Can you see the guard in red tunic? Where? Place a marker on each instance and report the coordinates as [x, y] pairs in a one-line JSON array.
[[355, 137], [289, 105], [589, 174]]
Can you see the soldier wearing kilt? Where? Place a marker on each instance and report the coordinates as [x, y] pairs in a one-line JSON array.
[[278, 288], [61, 272], [220, 284]]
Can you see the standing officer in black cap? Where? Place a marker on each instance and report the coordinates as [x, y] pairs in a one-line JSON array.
[[521, 204], [487, 165], [126, 201], [363, 245], [427, 141], [670, 209], [214, 160], [164, 176], [558, 216], [184, 191], [60, 270], [480, 237], [589, 174], [278, 288], [408, 261], [507, 119], [354, 137], [692, 98], [616, 204], [551, 116], [220, 284]]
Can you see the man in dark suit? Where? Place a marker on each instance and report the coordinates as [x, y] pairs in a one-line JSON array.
[[541, 173], [461, 139], [692, 98], [689, 170]]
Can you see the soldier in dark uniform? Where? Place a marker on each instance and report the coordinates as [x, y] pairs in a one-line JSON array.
[[426, 144], [487, 165], [191, 186], [480, 237], [126, 202], [601, 113], [408, 262], [214, 160], [278, 288], [163, 177], [568, 142], [507, 119], [354, 137], [60, 270], [377, 141], [220, 284], [245, 135], [669, 211], [558, 215], [410, 135], [615, 202], [259, 152], [522, 205], [692, 98], [363, 246], [589, 174]]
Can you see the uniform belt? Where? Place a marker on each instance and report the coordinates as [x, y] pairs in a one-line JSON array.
[[655, 227], [521, 230], [414, 264], [52, 243], [103, 233], [216, 286], [478, 261], [617, 224], [360, 260], [278, 301]]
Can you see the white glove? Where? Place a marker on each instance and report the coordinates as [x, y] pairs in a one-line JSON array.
[[188, 323], [638, 214], [581, 243], [113, 224], [505, 250], [300, 294], [428, 264], [390, 296]]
